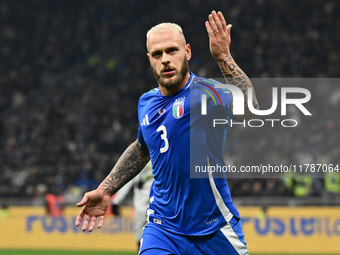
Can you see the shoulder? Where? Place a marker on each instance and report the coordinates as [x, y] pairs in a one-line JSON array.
[[150, 94], [211, 87]]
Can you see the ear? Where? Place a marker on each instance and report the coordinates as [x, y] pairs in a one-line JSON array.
[[149, 57], [188, 51]]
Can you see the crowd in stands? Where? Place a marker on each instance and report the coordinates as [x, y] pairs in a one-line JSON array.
[[71, 73]]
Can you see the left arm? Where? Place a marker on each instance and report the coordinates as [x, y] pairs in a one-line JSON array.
[[219, 42]]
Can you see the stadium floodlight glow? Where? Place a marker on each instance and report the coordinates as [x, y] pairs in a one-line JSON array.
[[238, 100]]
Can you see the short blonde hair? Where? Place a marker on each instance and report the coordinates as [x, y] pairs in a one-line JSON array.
[[165, 27]]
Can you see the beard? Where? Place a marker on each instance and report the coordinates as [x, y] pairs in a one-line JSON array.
[[170, 84]]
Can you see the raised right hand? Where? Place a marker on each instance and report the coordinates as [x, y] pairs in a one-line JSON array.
[[219, 36]]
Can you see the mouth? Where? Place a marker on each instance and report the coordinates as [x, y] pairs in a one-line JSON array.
[[168, 71]]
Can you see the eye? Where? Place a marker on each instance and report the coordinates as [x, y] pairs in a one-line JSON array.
[[172, 50], [156, 54]]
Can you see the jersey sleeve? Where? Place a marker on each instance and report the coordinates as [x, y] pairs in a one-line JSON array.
[[140, 136]]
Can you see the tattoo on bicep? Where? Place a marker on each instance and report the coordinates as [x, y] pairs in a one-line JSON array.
[[128, 166]]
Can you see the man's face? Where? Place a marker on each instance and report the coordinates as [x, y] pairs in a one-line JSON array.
[[168, 57]]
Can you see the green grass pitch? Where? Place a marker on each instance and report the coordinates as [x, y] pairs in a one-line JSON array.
[[58, 252]]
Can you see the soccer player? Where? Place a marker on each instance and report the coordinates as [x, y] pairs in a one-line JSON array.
[[186, 215]]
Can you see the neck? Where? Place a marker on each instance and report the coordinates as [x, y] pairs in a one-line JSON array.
[[170, 91]]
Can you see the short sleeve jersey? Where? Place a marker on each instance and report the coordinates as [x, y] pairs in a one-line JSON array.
[[179, 203]]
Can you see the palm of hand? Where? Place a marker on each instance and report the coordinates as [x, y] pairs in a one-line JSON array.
[[219, 46], [97, 204], [94, 205], [219, 36]]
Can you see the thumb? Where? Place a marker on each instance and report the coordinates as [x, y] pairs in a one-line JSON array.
[[83, 201]]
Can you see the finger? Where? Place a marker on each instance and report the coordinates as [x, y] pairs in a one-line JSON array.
[[83, 201], [85, 222], [92, 223], [229, 29], [222, 19], [209, 29], [217, 21], [80, 217], [100, 221], [212, 23]]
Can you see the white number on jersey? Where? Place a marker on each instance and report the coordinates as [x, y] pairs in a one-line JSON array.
[[163, 137]]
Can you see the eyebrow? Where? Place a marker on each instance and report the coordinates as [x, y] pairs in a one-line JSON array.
[[155, 52], [166, 50]]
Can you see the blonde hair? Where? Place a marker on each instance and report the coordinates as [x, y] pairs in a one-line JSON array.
[[165, 27]]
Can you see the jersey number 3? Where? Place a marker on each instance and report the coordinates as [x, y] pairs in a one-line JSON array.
[[162, 129]]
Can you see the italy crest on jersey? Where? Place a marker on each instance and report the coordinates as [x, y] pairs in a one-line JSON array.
[[178, 108]]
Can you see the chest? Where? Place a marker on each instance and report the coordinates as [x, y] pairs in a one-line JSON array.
[[165, 121]]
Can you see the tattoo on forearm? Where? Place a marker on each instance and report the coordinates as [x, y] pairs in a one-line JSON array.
[[128, 166], [235, 76]]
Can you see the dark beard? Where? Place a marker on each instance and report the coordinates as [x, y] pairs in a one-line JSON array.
[[174, 83]]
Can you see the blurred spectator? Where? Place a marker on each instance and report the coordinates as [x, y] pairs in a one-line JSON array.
[[332, 183], [54, 205]]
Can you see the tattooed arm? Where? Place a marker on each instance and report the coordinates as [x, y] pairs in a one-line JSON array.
[[219, 42], [132, 161], [235, 76], [95, 203]]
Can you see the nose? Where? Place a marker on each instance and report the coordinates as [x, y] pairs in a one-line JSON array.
[[165, 59]]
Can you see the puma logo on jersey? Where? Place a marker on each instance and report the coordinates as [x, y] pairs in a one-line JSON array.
[[145, 120]]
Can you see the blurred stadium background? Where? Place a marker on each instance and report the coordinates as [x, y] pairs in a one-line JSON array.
[[71, 73]]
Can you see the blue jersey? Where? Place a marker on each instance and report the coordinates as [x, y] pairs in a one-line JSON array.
[[179, 203]]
